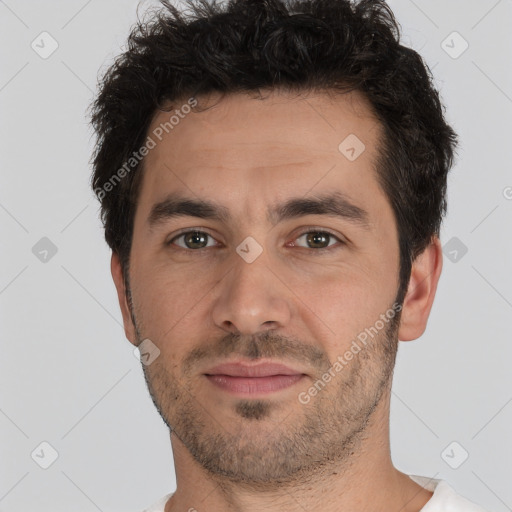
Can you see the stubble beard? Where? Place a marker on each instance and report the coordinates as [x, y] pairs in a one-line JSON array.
[[260, 453]]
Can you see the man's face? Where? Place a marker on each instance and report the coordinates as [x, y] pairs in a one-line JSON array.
[[210, 297]]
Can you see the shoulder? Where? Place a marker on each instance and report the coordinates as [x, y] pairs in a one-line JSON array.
[[158, 506], [445, 498]]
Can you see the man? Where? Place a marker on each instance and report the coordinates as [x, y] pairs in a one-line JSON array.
[[272, 180]]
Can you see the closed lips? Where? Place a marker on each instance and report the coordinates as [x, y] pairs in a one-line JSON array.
[[260, 370]]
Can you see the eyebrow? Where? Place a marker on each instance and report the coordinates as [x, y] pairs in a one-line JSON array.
[[335, 205]]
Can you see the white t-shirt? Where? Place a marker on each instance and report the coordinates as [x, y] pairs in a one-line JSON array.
[[444, 499]]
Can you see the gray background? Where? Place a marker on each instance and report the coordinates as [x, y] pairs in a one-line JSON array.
[[69, 377]]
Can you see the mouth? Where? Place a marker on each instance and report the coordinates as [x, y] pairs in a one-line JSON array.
[[253, 379]]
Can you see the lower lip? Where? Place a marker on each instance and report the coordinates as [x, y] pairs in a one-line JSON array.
[[254, 385]]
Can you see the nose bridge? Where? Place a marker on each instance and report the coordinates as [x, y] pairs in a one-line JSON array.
[[250, 298]]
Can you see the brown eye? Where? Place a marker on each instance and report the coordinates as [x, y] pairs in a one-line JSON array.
[[317, 240], [193, 240]]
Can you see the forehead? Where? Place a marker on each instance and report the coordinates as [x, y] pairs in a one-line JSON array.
[[284, 143]]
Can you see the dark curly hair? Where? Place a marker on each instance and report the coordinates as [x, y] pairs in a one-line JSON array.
[[298, 46]]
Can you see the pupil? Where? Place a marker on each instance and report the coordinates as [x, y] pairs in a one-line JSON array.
[[196, 238], [317, 238]]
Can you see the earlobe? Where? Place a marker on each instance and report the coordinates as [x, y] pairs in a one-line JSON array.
[[425, 273], [117, 276]]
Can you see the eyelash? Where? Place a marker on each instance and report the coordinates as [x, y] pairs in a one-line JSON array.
[[308, 231]]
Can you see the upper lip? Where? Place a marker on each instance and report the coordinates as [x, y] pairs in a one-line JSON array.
[[241, 369]]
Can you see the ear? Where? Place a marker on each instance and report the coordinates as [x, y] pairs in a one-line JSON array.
[[425, 273], [117, 276]]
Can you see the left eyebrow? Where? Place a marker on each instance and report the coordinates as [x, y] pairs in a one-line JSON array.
[[332, 205]]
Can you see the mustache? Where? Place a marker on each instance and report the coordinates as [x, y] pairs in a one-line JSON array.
[[258, 346]]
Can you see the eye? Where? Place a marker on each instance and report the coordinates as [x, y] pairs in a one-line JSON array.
[[193, 240], [313, 239], [317, 239]]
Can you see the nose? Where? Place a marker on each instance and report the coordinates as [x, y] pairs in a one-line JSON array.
[[251, 298]]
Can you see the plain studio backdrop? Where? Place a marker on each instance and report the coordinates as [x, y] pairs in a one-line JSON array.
[[72, 394]]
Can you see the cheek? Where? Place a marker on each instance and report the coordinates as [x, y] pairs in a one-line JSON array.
[[342, 305], [345, 300], [166, 303]]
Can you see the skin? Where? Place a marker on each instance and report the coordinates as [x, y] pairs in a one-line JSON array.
[[291, 305]]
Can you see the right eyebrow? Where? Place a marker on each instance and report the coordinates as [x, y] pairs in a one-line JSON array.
[[177, 206]]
